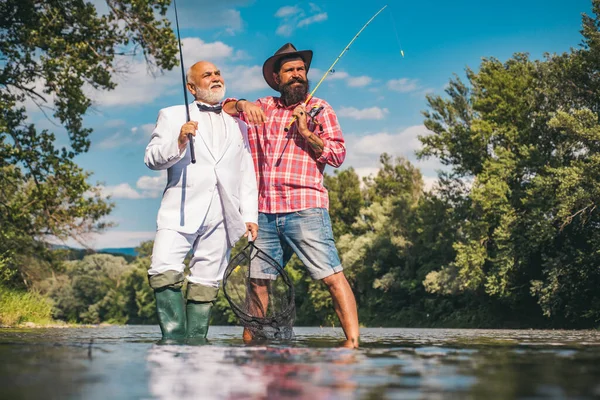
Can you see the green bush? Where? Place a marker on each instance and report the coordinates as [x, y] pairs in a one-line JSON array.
[[18, 307]]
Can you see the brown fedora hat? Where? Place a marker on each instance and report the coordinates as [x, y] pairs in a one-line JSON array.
[[286, 51]]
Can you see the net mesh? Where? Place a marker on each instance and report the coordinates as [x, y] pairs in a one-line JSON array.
[[260, 294]]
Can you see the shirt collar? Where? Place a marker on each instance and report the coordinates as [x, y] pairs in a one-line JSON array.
[[208, 105], [280, 104]]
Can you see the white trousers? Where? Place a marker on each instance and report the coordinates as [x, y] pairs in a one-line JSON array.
[[210, 253]]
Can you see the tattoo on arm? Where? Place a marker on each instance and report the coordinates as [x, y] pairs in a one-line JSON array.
[[316, 144]]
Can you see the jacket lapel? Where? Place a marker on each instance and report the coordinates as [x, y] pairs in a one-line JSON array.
[[196, 115], [230, 128]]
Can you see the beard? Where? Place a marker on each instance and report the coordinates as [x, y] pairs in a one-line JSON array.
[[293, 95], [209, 96]]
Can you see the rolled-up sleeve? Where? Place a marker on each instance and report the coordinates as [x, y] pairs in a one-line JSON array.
[[334, 146]]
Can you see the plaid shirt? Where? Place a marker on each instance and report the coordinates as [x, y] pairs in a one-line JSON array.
[[289, 175]]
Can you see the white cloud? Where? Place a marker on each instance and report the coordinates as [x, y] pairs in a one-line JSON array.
[[365, 113], [311, 20], [245, 79], [35, 104], [429, 182], [315, 74], [136, 86], [359, 81], [115, 140], [404, 142], [195, 49], [147, 187], [364, 151], [364, 172], [232, 20], [403, 85], [137, 134], [145, 129], [213, 15], [284, 30], [114, 123], [120, 191], [287, 11], [338, 75], [152, 186], [292, 17], [314, 7]]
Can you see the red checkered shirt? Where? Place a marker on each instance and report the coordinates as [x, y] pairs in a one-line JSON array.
[[289, 175]]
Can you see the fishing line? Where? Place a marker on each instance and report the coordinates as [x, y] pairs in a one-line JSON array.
[[396, 32]]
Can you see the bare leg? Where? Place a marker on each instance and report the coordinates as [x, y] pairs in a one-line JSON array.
[[345, 306], [258, 299]]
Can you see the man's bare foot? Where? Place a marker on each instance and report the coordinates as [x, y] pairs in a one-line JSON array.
[[351, 343]]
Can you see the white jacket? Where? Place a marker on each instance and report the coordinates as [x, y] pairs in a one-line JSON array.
[[190, 186]]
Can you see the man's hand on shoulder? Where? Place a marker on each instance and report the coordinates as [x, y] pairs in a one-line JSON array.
[[254, 114]]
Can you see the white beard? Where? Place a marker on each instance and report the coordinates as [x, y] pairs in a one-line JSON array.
[[209, 96]]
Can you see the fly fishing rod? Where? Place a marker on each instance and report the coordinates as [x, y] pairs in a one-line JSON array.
[[185, 97], [330, 69]]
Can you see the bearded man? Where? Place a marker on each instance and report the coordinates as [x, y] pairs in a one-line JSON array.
[[292, 201], [206, 206]]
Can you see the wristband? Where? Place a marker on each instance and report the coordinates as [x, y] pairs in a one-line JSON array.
[[236, 105]]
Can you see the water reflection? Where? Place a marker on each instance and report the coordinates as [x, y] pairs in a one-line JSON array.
[[250, 373], [127, 363]]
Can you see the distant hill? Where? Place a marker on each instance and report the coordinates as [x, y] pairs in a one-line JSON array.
[[77, 254], [128, 251]]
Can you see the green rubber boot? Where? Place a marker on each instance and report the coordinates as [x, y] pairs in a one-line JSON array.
[[171, 312], [198, 317]]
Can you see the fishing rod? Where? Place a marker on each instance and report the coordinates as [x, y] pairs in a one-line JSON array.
[[185, 97], [330, 69]]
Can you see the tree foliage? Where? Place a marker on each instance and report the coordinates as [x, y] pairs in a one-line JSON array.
[[53, 53], [508, 236], [527, 133]]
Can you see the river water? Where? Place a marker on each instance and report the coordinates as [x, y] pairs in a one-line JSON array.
[[127, 362]]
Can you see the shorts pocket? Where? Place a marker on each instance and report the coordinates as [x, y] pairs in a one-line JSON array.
[[309, 212]]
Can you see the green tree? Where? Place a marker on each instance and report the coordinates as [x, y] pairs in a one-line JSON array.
[[92, 290], [345, 199], [51, 52], [375, 252], [526, 134]]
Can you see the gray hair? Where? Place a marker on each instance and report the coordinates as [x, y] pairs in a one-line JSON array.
[[188, 76]]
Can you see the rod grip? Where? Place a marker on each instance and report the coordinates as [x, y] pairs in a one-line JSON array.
[[192, 151], [287, 128]]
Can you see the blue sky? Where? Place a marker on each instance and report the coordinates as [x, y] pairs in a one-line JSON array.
[[377, 94]]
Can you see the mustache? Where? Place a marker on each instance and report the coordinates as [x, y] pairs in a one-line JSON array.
[[296, 80]]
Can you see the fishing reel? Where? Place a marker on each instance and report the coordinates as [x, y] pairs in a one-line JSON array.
[[312, 114]]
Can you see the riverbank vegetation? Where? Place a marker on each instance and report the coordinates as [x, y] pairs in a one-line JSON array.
[[508, 237], [18, 307]]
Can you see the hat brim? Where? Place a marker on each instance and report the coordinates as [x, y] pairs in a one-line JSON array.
[[269, 65]]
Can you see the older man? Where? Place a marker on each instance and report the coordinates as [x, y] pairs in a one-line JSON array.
[[293, 202], [207, 206]]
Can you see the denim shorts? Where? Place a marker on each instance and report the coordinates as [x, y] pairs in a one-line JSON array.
[[307, 233]]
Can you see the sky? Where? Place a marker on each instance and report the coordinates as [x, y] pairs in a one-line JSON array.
[[378, 95]]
